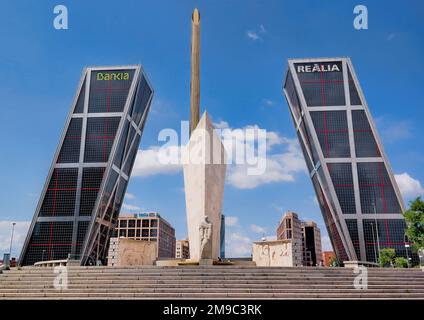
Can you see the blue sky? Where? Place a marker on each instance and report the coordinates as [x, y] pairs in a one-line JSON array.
[[245, 45]]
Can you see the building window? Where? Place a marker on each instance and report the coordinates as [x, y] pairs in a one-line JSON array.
[[322, 88], [59, 199], [91, 180], [341, 176], [131, 233], [99, 138], [354, 96], [376, 189], [332, 131], [70, 150], [131, 223], [365, 144], [288, 223], [123, 223], [108, 95]]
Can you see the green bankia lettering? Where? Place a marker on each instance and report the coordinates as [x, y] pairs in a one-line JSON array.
[[101, 76]]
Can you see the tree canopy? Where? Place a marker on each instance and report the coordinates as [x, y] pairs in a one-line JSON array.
[[414, 218]]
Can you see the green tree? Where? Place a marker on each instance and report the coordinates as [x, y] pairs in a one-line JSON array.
[[414, 218], [387, 257], [401, 262], [333, 262]]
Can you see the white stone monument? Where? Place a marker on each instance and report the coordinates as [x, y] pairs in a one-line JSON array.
[[204, 169], [204, 177]]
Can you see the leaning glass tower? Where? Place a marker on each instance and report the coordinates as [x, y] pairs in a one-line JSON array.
[[85, 187], [358, 195]]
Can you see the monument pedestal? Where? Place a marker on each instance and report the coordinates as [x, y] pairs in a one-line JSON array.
[[206, 262]]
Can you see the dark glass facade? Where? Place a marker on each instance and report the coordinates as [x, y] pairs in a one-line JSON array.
[[350, 174], [81, 200]]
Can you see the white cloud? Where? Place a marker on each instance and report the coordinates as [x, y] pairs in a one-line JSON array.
[[231, 221], [268, 102], [221, 125], [280, 167], [253, 35], [147, 162], [238, 245], [277, 167], [257, 229], [270, 238], [409, 187], [129, 196], [131, 207], [21, 229]]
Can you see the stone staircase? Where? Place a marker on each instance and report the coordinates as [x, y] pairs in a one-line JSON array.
[[211, 282]]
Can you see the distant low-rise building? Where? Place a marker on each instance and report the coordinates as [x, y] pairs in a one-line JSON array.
[[289, 229], [328, 257], [182, 249], [311, 241], [148, 226], [12, 262], [305, 237]]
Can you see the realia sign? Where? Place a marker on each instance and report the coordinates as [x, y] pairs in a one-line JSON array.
[[318, 67]]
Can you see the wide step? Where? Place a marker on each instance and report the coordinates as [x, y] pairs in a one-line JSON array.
[[217, 282]]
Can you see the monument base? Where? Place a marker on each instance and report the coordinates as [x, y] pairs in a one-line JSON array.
[[206, 262], [190, 262]]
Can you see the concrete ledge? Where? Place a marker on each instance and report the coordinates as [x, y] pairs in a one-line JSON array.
[[356, 264], [169, 263], [51, 263]]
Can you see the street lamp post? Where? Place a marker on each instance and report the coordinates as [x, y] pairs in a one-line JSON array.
[[11, 238], [373, 240], [405, 240], [376, 224]]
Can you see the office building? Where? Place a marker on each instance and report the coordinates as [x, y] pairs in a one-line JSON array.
[[289, 227], [182, 249], [85, 186], [148, 226], [311, 244], [305, 237], [358, 195], [328, 257]]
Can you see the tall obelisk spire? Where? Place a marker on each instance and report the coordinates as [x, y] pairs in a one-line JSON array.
[[204, 166], [195, 71]]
